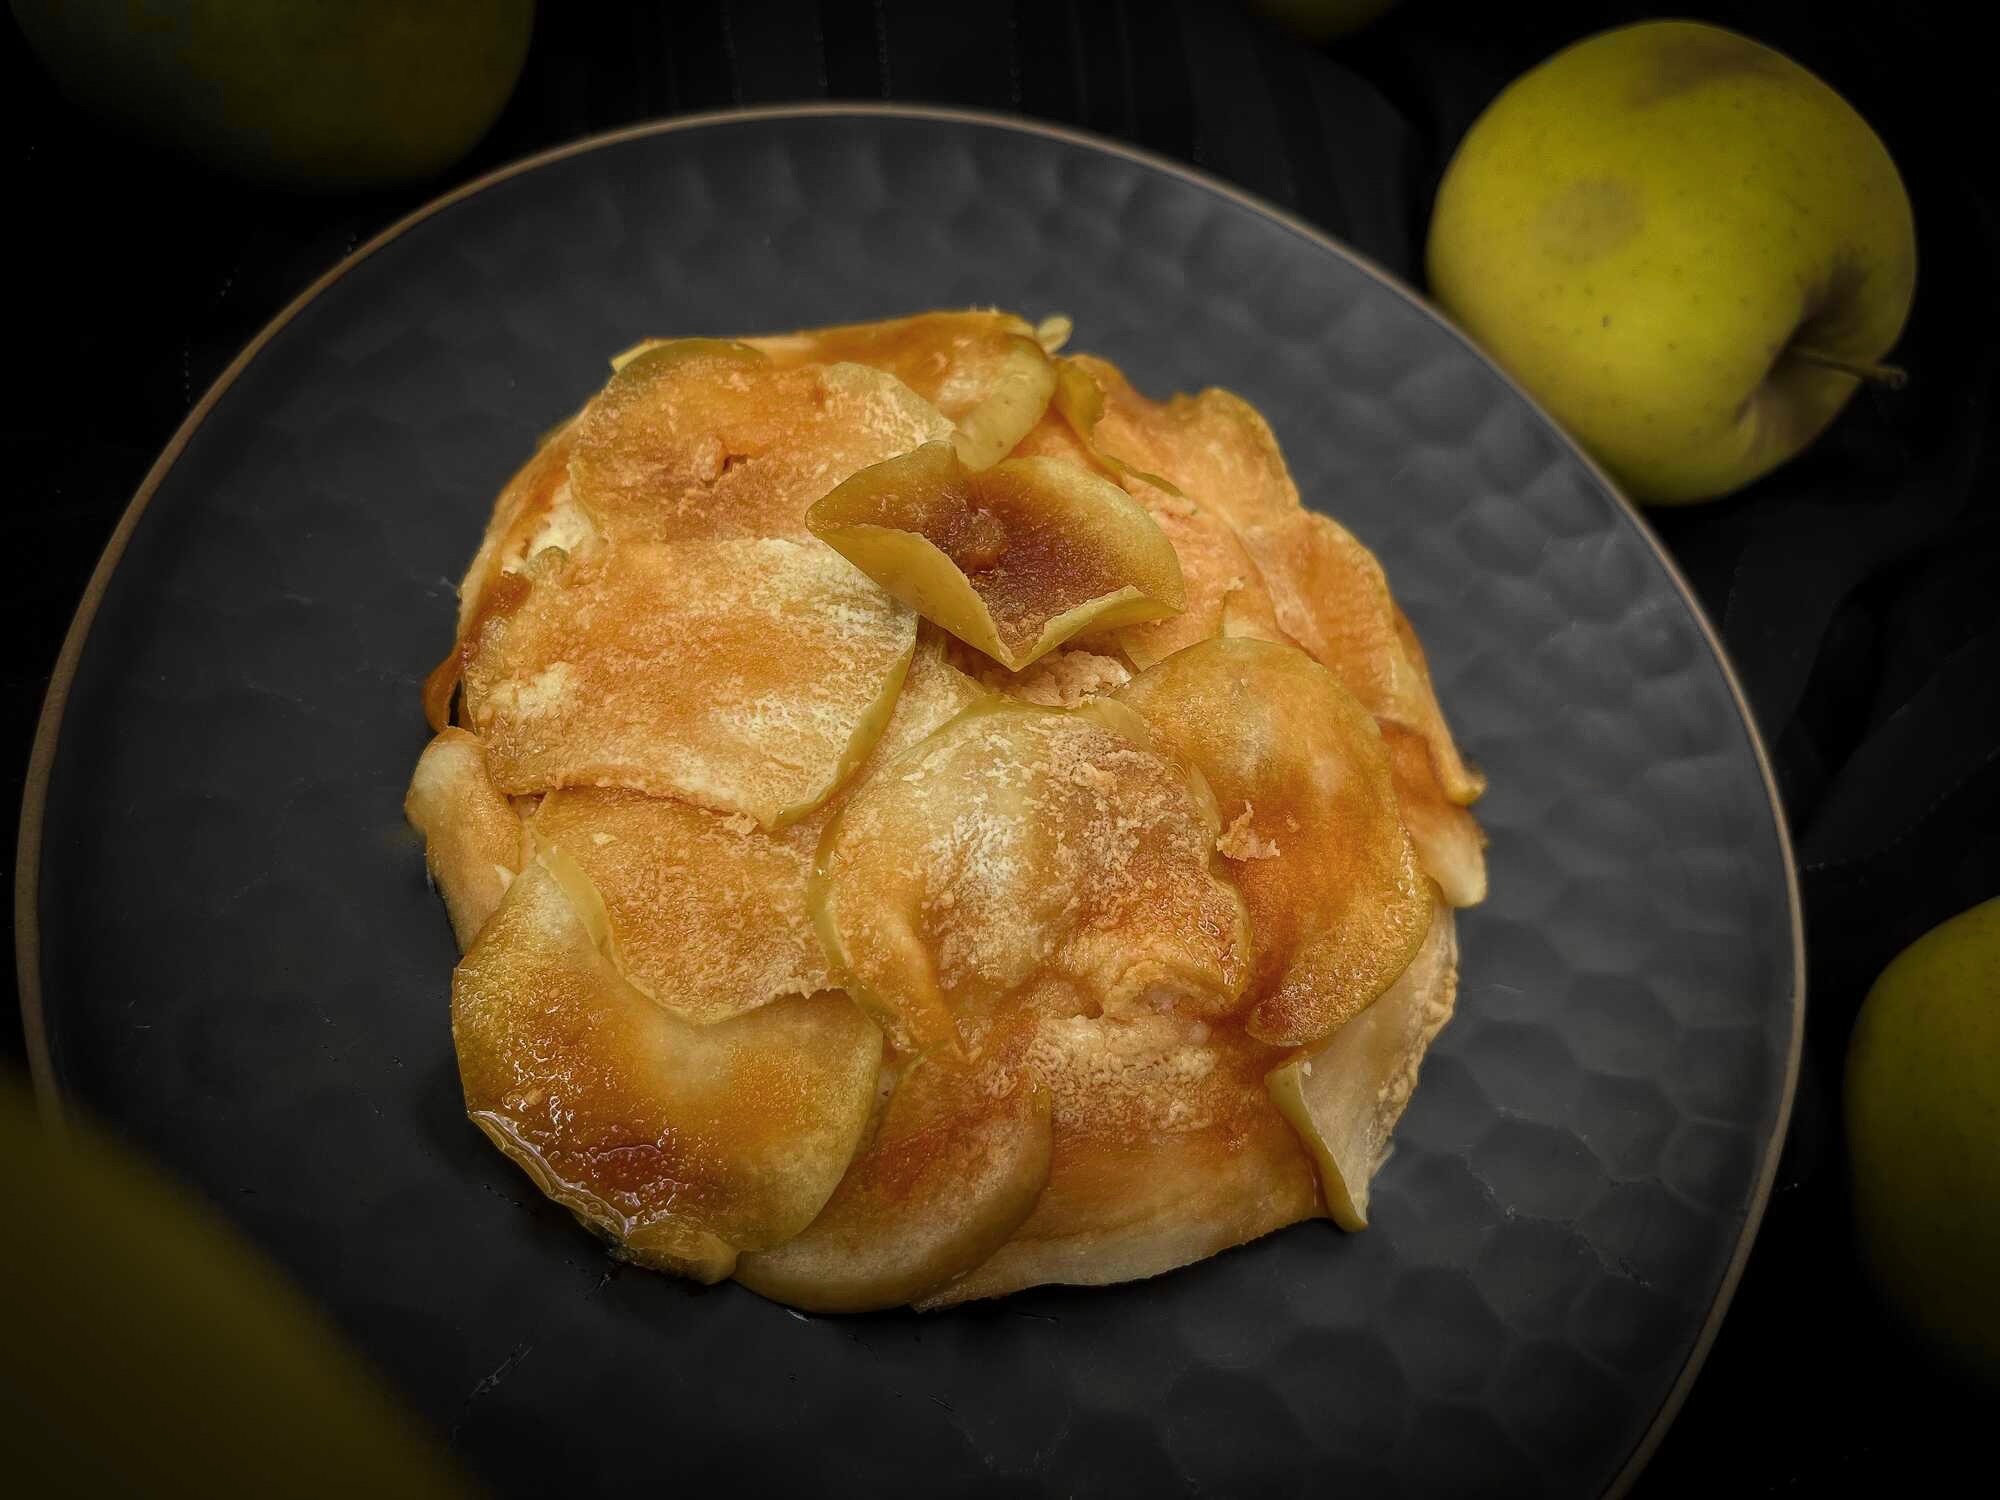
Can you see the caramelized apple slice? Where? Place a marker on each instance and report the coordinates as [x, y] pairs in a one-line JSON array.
[[1053, 437], [1084, 389], [957, 1164], [1459, 781], [472, 837], [683, 1144], [1327, 590], [1345, 1098], [701, 438], [987, 371], [1447, 838], [1225, 592], [707, 913], [1167, 1150], [536, 510], [1332, 597], [934, 693], [1013, 560], [1317, 845], [1020, 857], [746, 676]]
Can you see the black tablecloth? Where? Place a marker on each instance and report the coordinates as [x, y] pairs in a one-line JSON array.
[[1856, 588]]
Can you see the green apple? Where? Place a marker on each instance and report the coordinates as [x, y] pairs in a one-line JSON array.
[[150, 1349], [1923, 1135], [321, 94], [1684, 245]]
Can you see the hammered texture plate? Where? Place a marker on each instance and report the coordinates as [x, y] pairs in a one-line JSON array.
[[243, 971]]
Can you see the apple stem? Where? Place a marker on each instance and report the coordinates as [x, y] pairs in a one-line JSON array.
[[1893, 377]]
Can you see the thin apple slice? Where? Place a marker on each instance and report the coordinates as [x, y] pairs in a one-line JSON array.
[[1021, 856], [1327, 590], [683, 1144], [747, 676], [956, 1166], [1345, 1098], [703, 438], [535, 510], [934, 693], [1332, 596], [1014, 560], [1337, 901], [1167, 1150], [1054, 437], [1461, 783], [1225, 593], [986, 371], [1225, 590], [1087, 389], [707, 912], [1447, 838], [472, 836]]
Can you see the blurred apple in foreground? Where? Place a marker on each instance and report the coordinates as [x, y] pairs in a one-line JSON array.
[[1923, 1129], [148, 1350], [1322, 20], [1682, 243], [319, 94]]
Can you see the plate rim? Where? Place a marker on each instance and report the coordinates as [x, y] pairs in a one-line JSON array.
[[48, 727]]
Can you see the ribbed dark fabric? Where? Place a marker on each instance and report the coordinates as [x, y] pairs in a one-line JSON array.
[[1856, 589]]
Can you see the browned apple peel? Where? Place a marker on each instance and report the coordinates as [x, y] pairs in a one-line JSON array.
[[683, 1144], [1315, 838], [1025, 857], [1345, 1098], [958, 1162], [747, 676], [1013, 560]]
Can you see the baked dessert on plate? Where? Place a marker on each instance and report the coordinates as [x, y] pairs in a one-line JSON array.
[[923, 819]]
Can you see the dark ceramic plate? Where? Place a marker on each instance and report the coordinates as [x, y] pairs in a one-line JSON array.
[[231, 954]]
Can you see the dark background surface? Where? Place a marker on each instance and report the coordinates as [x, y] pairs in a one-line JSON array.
[[1856, 588]]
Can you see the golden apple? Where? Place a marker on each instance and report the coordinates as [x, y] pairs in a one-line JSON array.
[[322, 94], [1684, 245], [1923, 1133], [152, 1350]]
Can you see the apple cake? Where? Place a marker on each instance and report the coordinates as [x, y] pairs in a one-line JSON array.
[[923, 819]]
